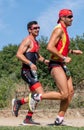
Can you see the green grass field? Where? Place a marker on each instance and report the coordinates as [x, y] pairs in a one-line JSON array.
[[41, 128]]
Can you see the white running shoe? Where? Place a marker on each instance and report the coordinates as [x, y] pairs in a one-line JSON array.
[[32, 103], [58, 121], [33, 100]]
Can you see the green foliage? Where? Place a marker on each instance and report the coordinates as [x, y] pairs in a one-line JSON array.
[[8, 61], [77, 64], [7, 86], [9, 73]]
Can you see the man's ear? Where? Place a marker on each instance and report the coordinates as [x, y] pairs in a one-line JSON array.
[[62, 18], [29, 30]]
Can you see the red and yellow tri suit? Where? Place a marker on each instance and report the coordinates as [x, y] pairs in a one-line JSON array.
[[63, 44], [63, 48]]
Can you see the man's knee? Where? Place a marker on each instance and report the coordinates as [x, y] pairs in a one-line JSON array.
[[64, 95], [71, 93]]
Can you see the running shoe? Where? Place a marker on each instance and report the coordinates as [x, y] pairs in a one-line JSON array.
[[28, 120], [58, 122], [15, 107], [33, 100], [32, 103]]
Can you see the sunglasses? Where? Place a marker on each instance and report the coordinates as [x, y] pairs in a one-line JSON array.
[[35, 28], [70, 16]]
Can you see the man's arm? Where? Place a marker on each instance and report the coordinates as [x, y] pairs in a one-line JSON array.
[[77, 52], [42, 59], [21, 50], [20, 53]]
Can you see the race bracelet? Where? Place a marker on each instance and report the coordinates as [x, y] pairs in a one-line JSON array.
[[43, 60], [71, 51], [64, 58], [30, 63]]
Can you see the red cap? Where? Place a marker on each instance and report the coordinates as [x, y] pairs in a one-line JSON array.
[[64, 12]]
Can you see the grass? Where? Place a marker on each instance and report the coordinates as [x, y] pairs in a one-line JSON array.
[[40, 128]]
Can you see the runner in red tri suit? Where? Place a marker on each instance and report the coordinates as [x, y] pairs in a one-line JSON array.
[[28, 53], [32, 55], [58, 46]]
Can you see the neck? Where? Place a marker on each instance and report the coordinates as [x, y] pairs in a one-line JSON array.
[[63, 24], [32, 37]]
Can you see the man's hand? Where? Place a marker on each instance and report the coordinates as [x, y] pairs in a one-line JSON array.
[[33, 67], [46, 62], [77, 52], [67, 59]]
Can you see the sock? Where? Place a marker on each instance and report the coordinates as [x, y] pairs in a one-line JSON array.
[[21, 102], [60, 118], [37, 97], [29, 115]]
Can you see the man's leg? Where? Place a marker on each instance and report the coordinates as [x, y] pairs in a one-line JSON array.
[[61, 81], [16, 104], [33, 103], [28, 119], [65, 103]]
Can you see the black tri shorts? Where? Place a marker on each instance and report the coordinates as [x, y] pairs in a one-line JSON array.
[[53, 64], [28, 77]]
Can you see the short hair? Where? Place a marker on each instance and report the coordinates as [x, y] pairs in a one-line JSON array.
[[31, 23]]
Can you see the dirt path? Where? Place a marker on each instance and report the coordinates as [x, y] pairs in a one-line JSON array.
[[44, 117]]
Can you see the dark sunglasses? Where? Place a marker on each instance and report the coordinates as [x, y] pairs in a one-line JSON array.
[[70, 16], [35, 28]]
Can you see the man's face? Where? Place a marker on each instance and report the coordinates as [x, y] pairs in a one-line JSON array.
[[35, 29], [68, 20]]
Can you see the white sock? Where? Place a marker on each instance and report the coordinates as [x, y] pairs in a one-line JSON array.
[[38, 97], [61, 118]]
